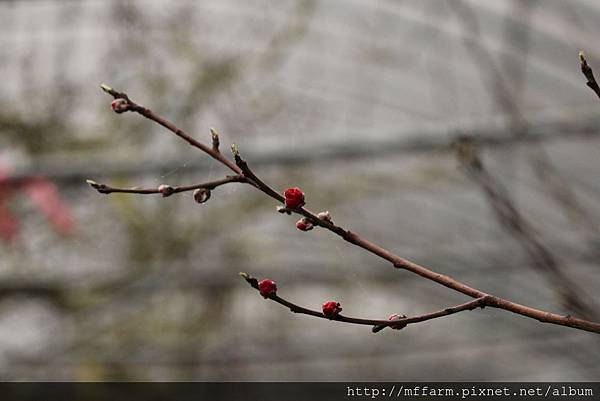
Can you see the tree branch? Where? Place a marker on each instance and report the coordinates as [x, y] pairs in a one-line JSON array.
[[355, 239], [106, 189], [377, 324]]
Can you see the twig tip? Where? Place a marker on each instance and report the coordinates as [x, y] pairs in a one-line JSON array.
[[582, 59], [106, 88], [235, 150], [249, 279]]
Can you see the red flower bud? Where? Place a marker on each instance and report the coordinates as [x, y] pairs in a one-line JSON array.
[[294, 198], [304, 225], [331, 308], [119, 105], [267, 287], [165, 190]]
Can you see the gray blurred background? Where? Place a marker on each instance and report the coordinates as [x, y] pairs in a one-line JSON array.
[[357, 103]]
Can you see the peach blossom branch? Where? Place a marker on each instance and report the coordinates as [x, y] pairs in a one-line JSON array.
[[122, 103]]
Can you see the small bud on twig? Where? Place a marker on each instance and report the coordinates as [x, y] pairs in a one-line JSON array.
[[395, 317], [201, 195], [215, 139], [331, 309], [120, 105], [582, 59], [267, 287], [294, 198], [304, 225], [589, 74], [106, 88], [585, 68], [234, 150], [325, 216], [165, 190], [98, 187], [249, 279]]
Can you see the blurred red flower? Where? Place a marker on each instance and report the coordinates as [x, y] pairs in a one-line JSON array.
[[46, 199]]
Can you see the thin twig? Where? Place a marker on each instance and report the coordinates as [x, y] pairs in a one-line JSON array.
[[589, 74], [355, 239], [243, 166], [106, 189], [467, 306], [377, 324]]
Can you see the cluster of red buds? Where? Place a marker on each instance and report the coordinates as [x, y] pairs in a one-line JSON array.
[[294, 199], [267, 288], [331, 309], [120, 105]]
